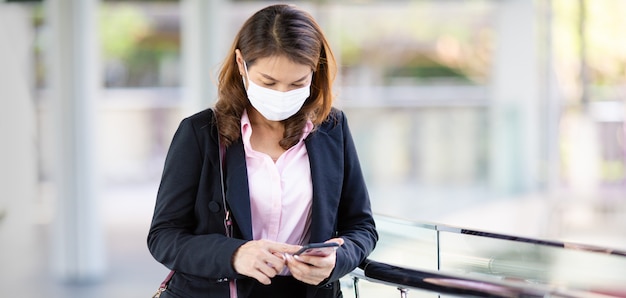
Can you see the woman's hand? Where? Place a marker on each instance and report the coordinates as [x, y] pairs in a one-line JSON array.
[[261, 259], [312, 269]]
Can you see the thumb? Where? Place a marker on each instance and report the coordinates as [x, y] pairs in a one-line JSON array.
[[337, 240]]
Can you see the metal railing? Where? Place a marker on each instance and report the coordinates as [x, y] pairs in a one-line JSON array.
[[494, 265], [405, 279]]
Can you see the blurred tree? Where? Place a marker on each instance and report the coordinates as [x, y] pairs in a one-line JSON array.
[[415, 41], [122, 27], [605, 46]]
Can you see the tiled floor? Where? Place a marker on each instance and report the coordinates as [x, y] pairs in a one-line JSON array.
[[131, 271]]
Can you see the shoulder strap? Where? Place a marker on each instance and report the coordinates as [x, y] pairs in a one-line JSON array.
[[228, 224]]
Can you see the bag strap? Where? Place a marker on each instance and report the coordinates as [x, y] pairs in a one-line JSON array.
[[163, 285], [228, 223]]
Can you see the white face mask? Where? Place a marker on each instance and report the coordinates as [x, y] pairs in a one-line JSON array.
[[275, 105]]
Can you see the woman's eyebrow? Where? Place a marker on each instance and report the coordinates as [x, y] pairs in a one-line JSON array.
[[274, 80]]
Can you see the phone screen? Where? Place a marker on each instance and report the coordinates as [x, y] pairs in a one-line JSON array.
[[318, 249]]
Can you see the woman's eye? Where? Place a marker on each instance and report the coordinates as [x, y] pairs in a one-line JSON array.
[[269, 84], [297, 85]]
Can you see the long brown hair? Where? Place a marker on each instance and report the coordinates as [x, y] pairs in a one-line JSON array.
[[277, 30]]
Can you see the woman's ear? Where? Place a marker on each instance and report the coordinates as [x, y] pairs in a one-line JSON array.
[[239, 60]]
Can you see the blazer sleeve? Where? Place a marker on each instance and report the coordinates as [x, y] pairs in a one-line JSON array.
[[173, 238], [355, 222]]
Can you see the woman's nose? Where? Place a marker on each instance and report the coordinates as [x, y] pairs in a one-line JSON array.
[[282, 88]]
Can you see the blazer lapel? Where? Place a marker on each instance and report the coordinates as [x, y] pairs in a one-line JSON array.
[[325, 157], [237, 193]]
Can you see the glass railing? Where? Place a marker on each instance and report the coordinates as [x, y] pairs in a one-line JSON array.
[[467, 257]]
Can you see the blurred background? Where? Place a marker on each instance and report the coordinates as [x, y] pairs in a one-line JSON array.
[[505, 116]]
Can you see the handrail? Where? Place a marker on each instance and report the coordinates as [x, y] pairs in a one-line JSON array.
[[455, 284], [486, 234], [522, 276]]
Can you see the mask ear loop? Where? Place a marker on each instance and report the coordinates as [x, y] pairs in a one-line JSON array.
[[245, 67]]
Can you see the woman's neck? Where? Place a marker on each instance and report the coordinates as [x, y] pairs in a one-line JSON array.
[[258, 121], [266, 135]]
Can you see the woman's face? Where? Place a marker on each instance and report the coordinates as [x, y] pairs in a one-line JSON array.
[[276, 72]]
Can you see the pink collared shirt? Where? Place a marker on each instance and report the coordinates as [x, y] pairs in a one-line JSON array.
[[280, 193]]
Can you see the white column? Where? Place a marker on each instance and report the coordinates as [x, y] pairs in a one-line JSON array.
[[514, 148], [18, 156], [74, 82], [552, 105], [204, 26]]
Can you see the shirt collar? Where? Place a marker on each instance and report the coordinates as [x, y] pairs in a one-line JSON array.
[[246, 127]]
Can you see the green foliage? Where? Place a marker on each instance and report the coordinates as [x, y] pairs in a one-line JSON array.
[[425, 68], [605, 45], [122, 27], [417, 40]]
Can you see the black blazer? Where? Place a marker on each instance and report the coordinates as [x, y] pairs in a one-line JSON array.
[[187, 230]]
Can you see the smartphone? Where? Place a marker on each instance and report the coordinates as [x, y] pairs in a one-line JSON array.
[[317, 249]]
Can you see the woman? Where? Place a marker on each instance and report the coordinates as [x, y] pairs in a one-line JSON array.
[[291, 174]]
